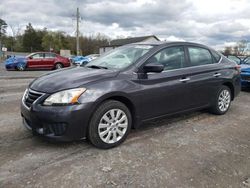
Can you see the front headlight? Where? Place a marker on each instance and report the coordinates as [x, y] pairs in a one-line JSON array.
[[64, 97]]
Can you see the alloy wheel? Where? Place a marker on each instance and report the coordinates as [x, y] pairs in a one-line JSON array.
[[113, 126], [224, 100], [58, 66], [21, 67]]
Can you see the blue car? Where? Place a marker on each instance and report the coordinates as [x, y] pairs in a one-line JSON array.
[[15, 63], [80, 60], [244, 62], [83, 60], [245, 73]]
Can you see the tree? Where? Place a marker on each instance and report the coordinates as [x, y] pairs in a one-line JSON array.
[[32, 39], [239, 49], [55, 40], [228, 51], [91, 44], [3, 27]]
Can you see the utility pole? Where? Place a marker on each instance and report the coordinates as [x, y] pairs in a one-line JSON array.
[[77, 31]]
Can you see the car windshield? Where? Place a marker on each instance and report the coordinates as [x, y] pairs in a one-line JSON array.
[[235, 59], [247, 61], [27, 56], [120, 58]]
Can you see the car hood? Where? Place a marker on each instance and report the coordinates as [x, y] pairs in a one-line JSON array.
[[245, 67], [69, 78]]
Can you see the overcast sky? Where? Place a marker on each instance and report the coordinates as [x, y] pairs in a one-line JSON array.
[[211, 22]]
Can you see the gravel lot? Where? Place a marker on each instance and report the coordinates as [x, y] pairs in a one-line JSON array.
[[192, 150]]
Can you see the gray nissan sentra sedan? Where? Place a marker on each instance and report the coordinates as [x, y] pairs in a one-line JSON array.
[[126, 87]]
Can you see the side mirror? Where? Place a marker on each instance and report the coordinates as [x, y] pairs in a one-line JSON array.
[[30, 57], [153, 67]]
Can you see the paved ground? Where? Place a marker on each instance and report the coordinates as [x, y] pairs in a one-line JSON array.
[[193, 150]]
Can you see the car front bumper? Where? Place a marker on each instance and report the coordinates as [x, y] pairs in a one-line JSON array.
[[10, 66], [59, 123]]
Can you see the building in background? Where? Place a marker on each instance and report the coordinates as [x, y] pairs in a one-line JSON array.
[[120, 42]]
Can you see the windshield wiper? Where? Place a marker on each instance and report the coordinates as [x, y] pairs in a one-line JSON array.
[[96, 67]]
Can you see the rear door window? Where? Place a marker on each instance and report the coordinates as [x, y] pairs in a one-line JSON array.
[[216, 56], [199, 56], [50, 55]]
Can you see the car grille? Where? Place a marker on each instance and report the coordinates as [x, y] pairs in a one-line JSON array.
[[31, 97], [243, 77]]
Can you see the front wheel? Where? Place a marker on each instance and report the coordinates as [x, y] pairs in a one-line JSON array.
[[223, 101], [21, 67], [109, 125]]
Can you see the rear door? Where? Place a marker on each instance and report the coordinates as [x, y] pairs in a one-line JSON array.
[[169, 91], [205, 75], [49, 60]]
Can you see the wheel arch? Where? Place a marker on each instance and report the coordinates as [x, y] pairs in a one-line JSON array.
[[231, 87], [126, 101], [58, 62]]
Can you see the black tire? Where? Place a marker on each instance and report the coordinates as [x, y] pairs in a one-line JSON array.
[[215, 109], [20, 67], [58, 66], [93, 130], [84, 63]]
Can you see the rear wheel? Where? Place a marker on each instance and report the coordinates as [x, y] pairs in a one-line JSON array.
[[58, 66], [110, 124], [223, 101]]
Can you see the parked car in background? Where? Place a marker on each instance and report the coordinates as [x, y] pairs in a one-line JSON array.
[[244, 62], [245, 73], [38, 60], [234, 58], [71, 58], [83, 60], [122, 89], [15, 63]]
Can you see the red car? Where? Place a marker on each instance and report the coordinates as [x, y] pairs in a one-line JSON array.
[[38, 60], [47, 60]]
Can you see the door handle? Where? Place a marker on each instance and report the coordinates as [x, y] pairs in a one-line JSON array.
[[217, 74], [184, 79]]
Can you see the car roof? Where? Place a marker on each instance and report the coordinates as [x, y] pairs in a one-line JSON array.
[[167, 43], [43, 52]]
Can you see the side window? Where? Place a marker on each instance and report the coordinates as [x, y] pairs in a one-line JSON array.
[[171, 58], [199, 56], [37, 56], [50, 55], [216, 56]]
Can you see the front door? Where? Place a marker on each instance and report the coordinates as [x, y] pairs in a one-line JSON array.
[[169, 91], [35, 60]]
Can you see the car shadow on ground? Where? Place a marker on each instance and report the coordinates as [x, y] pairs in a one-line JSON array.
[[245, 90], [167, 122]]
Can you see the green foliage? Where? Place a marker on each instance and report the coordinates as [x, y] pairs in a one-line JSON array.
[[32, 39], [91, 44], [54, 41], [43, 40]]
